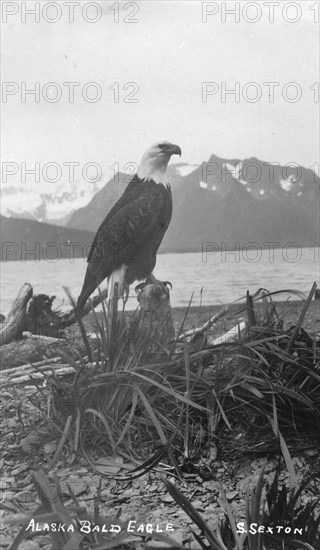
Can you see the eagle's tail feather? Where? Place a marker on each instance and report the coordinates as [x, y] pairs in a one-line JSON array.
[[86, 291], [117, 276]]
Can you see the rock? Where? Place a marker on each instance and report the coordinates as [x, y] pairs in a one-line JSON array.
[[167, 498], [178, 536], [231, 494], [29, 545], [197, 504], [210, 485], [158, 544], [5, 541], [21, 468], [50, 448], [211, 507]]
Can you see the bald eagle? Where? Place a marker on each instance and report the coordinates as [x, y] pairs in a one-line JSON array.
[[125, 246]]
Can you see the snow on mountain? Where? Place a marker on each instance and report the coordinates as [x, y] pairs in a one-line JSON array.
[[186, 169], [235, 170], [55, 203], [49, 205], [203, 185], [16, 201], [288, 183], [83, 204]]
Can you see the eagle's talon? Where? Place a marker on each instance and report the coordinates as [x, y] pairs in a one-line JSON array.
[[139, 287], [167, 283], [153, 281]]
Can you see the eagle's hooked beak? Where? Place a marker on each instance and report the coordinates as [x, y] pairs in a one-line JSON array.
[[174, 150]]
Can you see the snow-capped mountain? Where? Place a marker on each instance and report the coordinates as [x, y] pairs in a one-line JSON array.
[[52, 203], [227, 201], [55, 203], [260, 179]]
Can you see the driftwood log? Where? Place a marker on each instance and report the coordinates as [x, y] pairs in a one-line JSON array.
[[34, 314], [33, 330], [12, 327]]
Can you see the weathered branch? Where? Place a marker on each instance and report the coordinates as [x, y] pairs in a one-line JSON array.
[[198, 331], [233, 335], [34, 314], [23, 374], [67, 319], [11, 329]]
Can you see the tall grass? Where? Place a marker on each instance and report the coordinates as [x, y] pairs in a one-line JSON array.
[[130, 392]]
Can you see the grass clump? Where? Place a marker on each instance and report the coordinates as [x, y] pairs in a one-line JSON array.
[[136, 398]]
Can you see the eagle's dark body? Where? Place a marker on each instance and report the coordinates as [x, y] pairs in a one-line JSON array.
[[130, 235]]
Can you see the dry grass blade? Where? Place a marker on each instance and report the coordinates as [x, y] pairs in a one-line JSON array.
[[180, 331], [130, 418], [222, 412], [106, 425], [158, 427], [302, 316], [239, 540], [187, 394], [61, 443], [48, 494], [250, 310], [113, 324], [215, 543], [80, 323], [154, 460], [255, 513], [283, 446], [170, 391]]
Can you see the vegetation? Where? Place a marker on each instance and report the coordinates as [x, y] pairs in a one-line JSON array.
[[129, 395], [133, 399]]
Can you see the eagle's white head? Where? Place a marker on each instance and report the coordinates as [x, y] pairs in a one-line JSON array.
[[154, 162]]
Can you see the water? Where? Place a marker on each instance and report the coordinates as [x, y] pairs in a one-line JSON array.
[[224, 276]]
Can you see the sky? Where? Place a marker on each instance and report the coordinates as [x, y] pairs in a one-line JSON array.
[[150, 60]]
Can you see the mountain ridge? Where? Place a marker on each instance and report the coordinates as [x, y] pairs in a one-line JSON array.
[[225, 202], [230, 203], [24, 239]]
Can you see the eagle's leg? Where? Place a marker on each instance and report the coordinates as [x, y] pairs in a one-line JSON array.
[[151, 280], [118, 276]]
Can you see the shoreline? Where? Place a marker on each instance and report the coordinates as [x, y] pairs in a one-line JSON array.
[[225, 247], [289, 310]]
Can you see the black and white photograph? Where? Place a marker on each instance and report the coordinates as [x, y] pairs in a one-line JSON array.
[[159, 271]]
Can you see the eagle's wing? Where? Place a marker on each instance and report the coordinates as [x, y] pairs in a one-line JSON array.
[[126, 227], [129, 223], [123, 231], [128, 196]]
